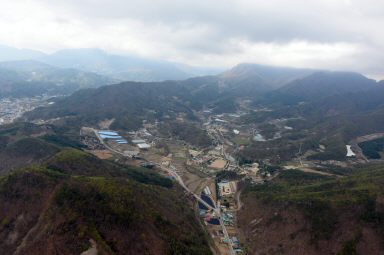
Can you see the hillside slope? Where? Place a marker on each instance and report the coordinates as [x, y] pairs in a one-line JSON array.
[[129, 103], [319, 85], [292, 216], [20, 145], [59, 207], [327, 108]]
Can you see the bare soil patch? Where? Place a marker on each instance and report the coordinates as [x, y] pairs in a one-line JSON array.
[[102, 154], [92, 250], [104, 124], [218, 163], [308, 170]]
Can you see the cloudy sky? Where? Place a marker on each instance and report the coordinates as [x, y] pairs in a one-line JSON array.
[[327, 34]]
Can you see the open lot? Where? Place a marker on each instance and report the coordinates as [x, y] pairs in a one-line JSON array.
[[218, 163], [102, 154]]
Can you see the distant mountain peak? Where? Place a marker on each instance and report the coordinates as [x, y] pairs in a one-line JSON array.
[[272, 76], [326, 83]]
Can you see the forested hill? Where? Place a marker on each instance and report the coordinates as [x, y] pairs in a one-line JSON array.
[[75, 201], [308, 213], [129, 103], [319, 85]]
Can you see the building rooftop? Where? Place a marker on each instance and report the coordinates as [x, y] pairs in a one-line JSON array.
[[138, 141], [131, 153], [143, 146], [102, 132], [110, 136]]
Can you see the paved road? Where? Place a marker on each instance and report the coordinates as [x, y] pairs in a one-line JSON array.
[[216, 210], [103, 143]]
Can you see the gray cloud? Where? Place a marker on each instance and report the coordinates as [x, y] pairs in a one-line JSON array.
[[254, 20], [344, 34]]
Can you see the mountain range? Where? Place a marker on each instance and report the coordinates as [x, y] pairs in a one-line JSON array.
[[128, 100], [322, 104], [330, 107], [26, 78], [128, 68]]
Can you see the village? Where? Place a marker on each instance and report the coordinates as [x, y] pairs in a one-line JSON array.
[[212, 174], [200, 170], [13, 108]]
